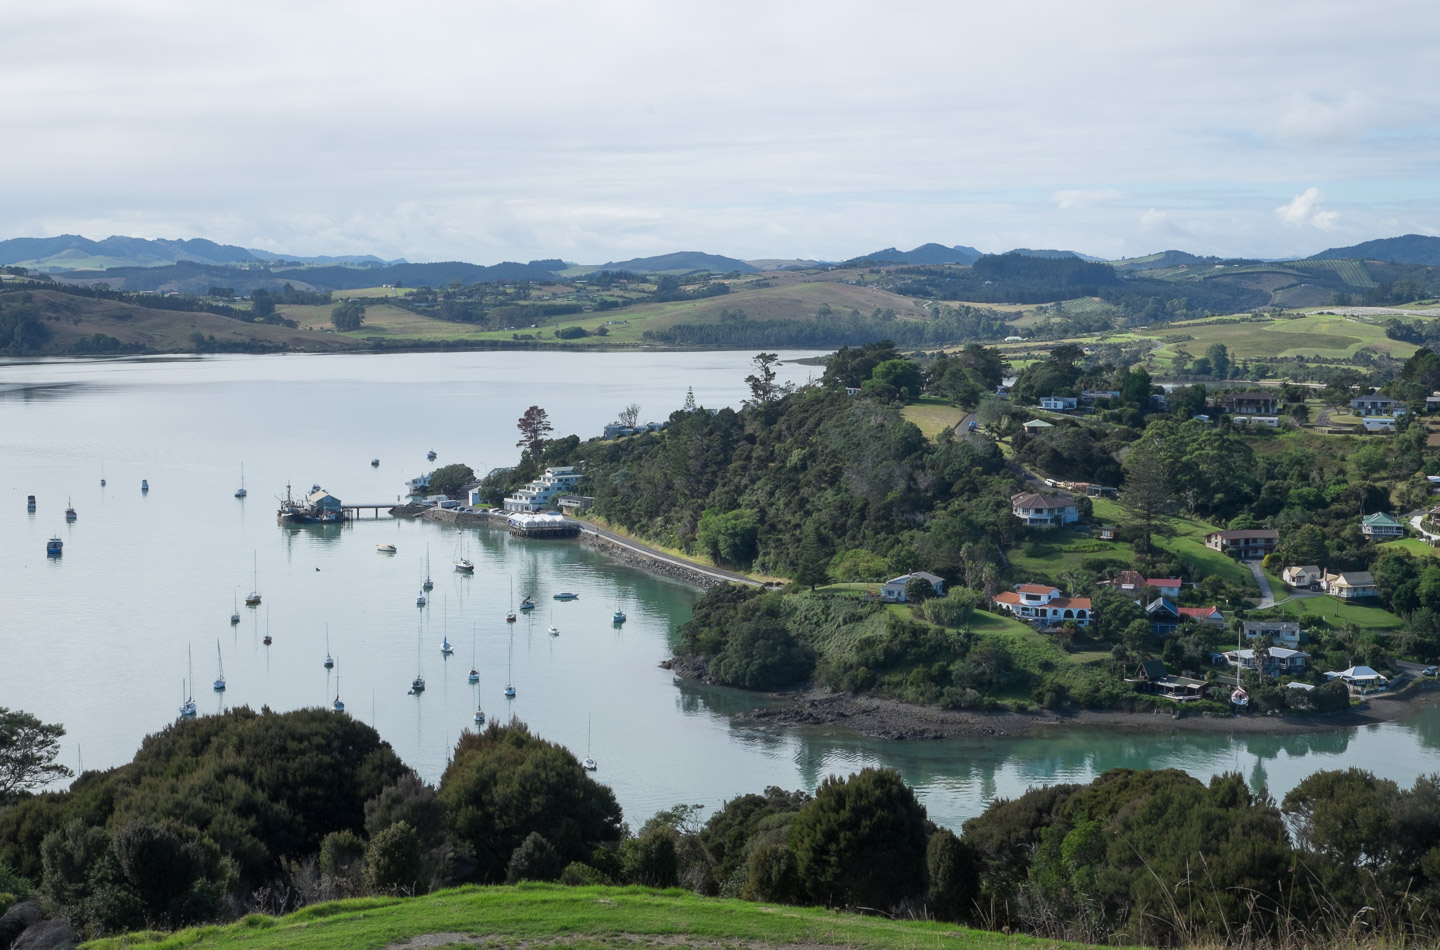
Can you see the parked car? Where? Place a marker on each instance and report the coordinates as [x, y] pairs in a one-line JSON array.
[[1431, 671]]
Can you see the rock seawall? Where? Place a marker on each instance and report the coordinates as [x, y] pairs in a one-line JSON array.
[[645, 562]]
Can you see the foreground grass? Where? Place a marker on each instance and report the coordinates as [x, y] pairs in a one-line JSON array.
[[569, 917]]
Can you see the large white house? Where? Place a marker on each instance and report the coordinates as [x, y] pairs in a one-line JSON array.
[[894, 589], [557, 480], [1044, 606], [1044, 511]]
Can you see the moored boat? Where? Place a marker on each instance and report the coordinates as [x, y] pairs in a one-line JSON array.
[[567, 595], [385, 548], [54, 547]]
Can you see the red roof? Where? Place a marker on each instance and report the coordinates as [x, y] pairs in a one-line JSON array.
[[1199, 612], [1074, 603], [1163, 582], [1035, 589], [1007, 597]]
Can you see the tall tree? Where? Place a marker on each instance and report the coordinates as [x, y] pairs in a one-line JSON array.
[[28, 748], [763, 388], [534, 426], [1147, 489], [689, 399], [630, 415]]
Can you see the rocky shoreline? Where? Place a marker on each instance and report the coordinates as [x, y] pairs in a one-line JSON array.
[[881, 718], [652, 565]]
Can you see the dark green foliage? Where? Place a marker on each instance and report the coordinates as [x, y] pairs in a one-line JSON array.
[[28, 748], [342, 853], [583, 875], [84, 883], [175, 872], [412, 801], [955, 609], [571, 333], [729, 537], [533, 860], [771, 874], [348, 315], [651, 860], [448, 479], [392, 861], [851, 367], [953, 875], [506, 782], [918, 590], [947, 325], [746, 822], [861, 841]]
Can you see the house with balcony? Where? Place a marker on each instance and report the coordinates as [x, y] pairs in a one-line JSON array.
[[1381, 527], [1273, 662], [1376, 405], [1152, 677], [1286, 633], [1058, 403], [1249, 543], [557, 480], [1044, 511], [1350, 585], [1044, 606], [1360, 680], [1250, 404]]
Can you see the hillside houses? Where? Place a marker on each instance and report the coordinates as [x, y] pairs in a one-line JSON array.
[[1381, 527], [1044, 511], [1376, 406], [557, 480], [1249, 543], [1044, 606]]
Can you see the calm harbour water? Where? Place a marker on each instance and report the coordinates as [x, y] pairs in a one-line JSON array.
[[98, 639]]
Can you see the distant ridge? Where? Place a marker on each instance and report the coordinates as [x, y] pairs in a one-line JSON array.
[[1048, 252], [681, 261], [931, 253], [366, 260], [1406, 249], [72, 252]]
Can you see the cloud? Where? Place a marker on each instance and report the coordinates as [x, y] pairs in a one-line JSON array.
[[1079, 198], [1304, 209]]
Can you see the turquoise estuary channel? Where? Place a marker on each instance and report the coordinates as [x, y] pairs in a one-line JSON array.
[[101, 638]]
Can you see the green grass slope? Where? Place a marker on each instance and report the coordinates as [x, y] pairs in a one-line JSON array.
[[553, 916]]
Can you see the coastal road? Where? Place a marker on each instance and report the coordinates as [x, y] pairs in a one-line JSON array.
[[650, 552]]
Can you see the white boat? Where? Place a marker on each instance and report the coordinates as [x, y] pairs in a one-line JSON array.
[[220, 662], [1239, 697], [386, 548], [337, 706], [509, 664], [252, 599], [479, 716], [464, 565], [474, 676], [510, 614], [553, 630], [240, 492], [445, 648], [187, 701], [588, 764]]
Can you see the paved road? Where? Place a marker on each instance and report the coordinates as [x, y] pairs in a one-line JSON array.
[[1267, 598], [650, 552]]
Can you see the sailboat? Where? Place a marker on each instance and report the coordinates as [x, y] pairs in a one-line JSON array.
[[418, 685], [588, 764], [420, 599], [337, 706], [240, 492], [462, 563], [429, 584], [187, 706], [219, 679], [509, 664], [266, 641], [474, 676], [69, 509], [252, 599], [235, 609], [328, 661], [102, 474], [510, 615], [553, 630]]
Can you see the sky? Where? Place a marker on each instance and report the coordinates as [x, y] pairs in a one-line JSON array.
[[491, 130]]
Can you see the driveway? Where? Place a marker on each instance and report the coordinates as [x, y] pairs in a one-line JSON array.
[[1267, 598]]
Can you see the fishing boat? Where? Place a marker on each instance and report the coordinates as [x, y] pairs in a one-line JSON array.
[[386, 548], [329, 662], [144, 485], [374, 463], [429, 584], [618, 617], [417, 686], [69, 510], [588, 764], [567, 595], [220, 663], [252, 599], [240, 492], [54, 547], [187, 701], [29, 502], [337, 706], [430, 455], [235, 608]]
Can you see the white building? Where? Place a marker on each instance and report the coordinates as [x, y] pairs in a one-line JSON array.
[[557, 480]]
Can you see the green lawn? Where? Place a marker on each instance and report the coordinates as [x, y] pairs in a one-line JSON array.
[[933, 415], [1187, 544], [1415, 546], [1336, 612], [542, 915]]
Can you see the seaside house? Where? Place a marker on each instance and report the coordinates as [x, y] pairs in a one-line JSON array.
[[1044, 511], [1276, 661], [1249, 542], [1163, 616], [1210, 615], [557, 480], [1376, 406], [1035, 426], [1381, 527], [894, 590], [1058, 403], [1282, 632], [1151, 677], [1360, 679], [1350, 585], [1044, 606], [1378, 425]]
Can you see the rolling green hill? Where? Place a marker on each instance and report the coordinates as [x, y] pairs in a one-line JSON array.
[[1406, 249]]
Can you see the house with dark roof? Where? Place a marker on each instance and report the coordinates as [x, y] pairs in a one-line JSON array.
[[1044, 511], [1152, 677], [1249, 542], [1252, 403]]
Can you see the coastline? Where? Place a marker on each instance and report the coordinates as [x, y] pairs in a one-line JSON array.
[[878, 717]]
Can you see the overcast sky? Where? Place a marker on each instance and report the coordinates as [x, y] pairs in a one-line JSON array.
[[598, 131]]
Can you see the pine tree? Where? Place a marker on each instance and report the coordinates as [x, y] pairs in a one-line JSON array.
[[690, 399]]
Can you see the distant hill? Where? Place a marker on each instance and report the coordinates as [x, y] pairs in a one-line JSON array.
[[927, 254], [1406, 249], [412, 275], [1051, 253], [69, 252], [681, 262], [362, 260]]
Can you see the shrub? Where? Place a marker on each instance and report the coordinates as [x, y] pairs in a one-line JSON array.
[[534, 860], [341, 853], [772, 875], [583, 875], [392, 862], [953, 874], [650, 860]]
